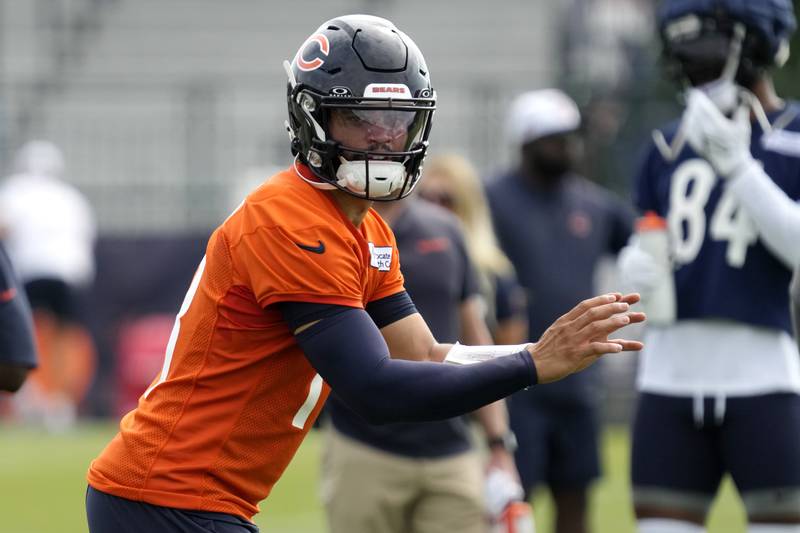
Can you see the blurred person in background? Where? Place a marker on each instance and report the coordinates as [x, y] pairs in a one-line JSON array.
[[49, 229], [300, 293], [720, 378], [419, 477], [555, 226], [452, 182], [17, 349]]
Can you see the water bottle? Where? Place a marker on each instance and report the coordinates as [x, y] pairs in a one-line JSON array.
[[517, 517], [653, 238]]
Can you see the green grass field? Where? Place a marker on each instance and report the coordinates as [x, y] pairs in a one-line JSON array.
[[42, 486]]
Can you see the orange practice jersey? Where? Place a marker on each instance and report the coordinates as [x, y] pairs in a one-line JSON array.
[[236, 396]]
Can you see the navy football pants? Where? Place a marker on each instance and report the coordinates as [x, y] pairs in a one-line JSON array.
[[112, 514]]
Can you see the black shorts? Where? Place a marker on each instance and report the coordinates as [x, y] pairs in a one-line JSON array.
[[112, 514], [54, 296], [682, 447], [557, 443]]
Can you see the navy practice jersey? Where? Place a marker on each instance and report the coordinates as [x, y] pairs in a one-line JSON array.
[[439, 277], [16, 326], [723, 270]]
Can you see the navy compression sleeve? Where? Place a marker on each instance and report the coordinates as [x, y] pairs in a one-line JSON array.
[[348, 351]]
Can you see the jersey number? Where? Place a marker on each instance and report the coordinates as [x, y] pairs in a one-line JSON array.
[[691, 187], [314, 391]]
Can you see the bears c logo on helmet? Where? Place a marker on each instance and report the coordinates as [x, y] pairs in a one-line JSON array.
[[324, 48]]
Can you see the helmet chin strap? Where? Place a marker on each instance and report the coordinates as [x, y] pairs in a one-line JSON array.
[[385, 177], [724, 92], [314, 183]]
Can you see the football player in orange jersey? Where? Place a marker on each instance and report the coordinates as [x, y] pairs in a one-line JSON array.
[[300, 291]]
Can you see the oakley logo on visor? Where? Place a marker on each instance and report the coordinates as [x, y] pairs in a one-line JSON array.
[[316, 62], [387, 90]]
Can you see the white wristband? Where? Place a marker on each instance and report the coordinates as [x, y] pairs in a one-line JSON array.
[[460, 354]]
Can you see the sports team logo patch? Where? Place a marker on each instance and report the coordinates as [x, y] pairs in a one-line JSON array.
[[308, 50], [580, 224], [380, 257]]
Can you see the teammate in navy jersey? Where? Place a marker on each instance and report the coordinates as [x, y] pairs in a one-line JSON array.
[[17, 352], [719, 383]]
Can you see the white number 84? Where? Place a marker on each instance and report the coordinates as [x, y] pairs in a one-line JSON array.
[[691, 187]]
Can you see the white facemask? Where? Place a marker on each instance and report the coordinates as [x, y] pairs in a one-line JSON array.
[[385, 177]]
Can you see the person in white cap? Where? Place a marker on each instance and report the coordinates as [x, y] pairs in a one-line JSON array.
[[555, 226], [49, 230]]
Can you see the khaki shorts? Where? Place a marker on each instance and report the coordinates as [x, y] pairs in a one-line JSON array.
[[366, 490]]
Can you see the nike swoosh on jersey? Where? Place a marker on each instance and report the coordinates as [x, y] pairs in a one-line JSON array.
[[8, 295], [319, 249]]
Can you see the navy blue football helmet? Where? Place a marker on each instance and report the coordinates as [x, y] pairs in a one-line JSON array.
[[363, 70], [697, 34]]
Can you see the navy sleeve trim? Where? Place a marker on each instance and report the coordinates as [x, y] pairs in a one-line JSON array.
[[391, 309]]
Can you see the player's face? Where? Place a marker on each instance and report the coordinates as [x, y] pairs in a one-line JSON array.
[[373, 130], [553, 156]]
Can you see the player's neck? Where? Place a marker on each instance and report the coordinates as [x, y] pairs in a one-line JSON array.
[[355, 209], [391, 211]]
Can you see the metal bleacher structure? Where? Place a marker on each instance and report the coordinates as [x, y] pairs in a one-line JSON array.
[[162, 106]]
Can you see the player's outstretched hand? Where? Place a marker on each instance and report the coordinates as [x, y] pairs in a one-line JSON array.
[[580, 337]]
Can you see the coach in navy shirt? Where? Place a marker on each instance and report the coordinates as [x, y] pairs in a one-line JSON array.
[[17, 352], [554, 226]]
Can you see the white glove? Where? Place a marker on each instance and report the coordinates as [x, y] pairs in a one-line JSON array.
[[500, 489], [638, 270], [723, 142]]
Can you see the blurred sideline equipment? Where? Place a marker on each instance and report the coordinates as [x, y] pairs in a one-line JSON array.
[[17, 350], [140, 355], [50, 231], [719, 386]]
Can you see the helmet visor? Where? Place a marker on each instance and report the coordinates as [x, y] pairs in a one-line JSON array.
[[360, 129]]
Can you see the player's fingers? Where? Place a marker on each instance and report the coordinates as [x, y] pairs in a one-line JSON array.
[[598, 313], [637, 317], [600, 348], [585, 305], [631, 298], [603, 328], [628, 345]]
